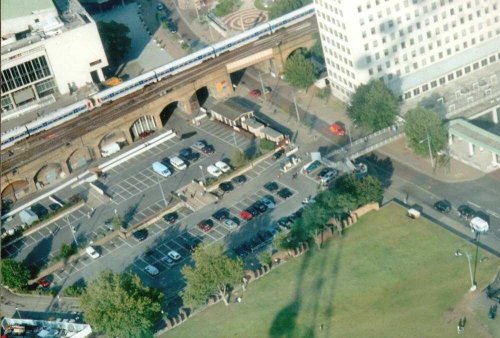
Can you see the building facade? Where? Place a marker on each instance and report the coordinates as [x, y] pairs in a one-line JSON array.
[[48, 49], [413, 45]]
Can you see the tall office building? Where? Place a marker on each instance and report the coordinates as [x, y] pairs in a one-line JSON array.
[[413, 45], [49, 48]]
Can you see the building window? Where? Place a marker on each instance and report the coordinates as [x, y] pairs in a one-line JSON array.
[[416, 91], [450, 77], [458, 73], [425, 87], [96, 62], [407, 95], [434, 84], [25, 73], [442, 81], [476, 66], [484, 62]]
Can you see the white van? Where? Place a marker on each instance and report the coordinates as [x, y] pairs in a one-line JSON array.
[[110, 149], [177, 163], [479, 224], [161, 169]]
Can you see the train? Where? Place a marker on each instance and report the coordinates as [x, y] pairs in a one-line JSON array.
[[60, 116]]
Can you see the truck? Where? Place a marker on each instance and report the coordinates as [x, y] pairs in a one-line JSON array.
[[110, 149], [28, 217]]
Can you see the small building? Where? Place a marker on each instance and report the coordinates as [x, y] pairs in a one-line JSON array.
[[272, 135], [253, 126], [229, 112]]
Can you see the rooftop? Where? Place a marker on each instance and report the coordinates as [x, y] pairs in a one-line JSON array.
[[12, 9], [230, 109], [446, 66]]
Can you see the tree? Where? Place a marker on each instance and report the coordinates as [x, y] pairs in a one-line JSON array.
[[420, 124], [373, 106], [224, 7], [317, 50], [265, 258], [115, 40], [357, 192], [368, 190], [213, 273], [14, 274], [282, 7], [266, 145], [299, 72], [311, 223], [119, 305], [238, 159], [116, 222], [67, 250]]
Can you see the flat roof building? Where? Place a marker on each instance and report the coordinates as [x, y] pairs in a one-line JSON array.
[[49, 48], [413, 45]]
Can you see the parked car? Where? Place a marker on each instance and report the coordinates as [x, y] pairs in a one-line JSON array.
[[285, 193], [171, 217], [285, 222], [189, 155], [200, 144], [223, 166], [268, 201], [206, 225], [277, 155], [92, 252], [193, 244], [311, 167], [214, 171], [245, 215], [466, 212], [177, 163], [160, 7], [153, 271], [261, 207], [252, 210], [267, 90], [337, 129], [54, 206], [140, 235], [330, 175], [167, 260], [230, 224], [271, 186], [172, 27], [239, 179], [43, 282], [174, 255], [443, 206], [209, 149], [226, 187], [255, 93], [221, 214]]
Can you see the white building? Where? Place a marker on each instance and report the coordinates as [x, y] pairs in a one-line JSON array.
[[413, 45], [48, 48]]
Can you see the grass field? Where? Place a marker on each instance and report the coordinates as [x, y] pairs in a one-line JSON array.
[[389, 276]]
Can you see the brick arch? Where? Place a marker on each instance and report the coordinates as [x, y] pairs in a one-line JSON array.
[[168, 110], [16, 190], [288, 54], [117, 136], [48, 174], [143, 126], [78, 158]]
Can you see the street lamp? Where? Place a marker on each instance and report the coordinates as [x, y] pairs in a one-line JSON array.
[[161, 189], [18, 313], [262, 85], [472, 282], [478, 228], [234, 139], [349, 132], [296, 108], [428, 139], [73, 231], [203, 175]]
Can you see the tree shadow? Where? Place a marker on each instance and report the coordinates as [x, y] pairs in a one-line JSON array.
[[382, 168], [131, 212], [37, 254]]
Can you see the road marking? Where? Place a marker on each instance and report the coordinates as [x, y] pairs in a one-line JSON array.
[[474, 204], [493, 213]]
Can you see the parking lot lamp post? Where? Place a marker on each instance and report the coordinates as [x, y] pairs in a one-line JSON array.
[[349, 132], [477, 233], [203, 175], [428, 139], [263, 88], [296, 109], [234, 139], [161, 189], [73, 231], [17, 311], [473, 285]]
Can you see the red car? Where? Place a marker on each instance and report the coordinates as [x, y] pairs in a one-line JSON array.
[[337, 129], [255, 93], [43, 282], [245, 215], [206, 225]]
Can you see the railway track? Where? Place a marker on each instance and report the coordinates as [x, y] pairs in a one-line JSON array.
[[51, 139]]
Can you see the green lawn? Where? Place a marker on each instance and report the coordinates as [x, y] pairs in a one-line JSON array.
[[389, 276]]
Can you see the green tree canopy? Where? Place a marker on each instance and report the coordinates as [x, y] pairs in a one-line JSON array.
[[282, 7], [119, 305], [373, 106], [317, 50], [14, 274], [362, 191], [115, 40], [312, 222], [213, 273], [421, 123], [299, 72], [224, 7]]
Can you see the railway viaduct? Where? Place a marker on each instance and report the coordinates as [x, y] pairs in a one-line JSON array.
[[78, 152]]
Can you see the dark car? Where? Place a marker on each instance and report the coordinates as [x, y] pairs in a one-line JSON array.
[[254, 212], [466, 212], [278, 154], [193, 244], [285, 222], [172, 27], [239, 179], [43, 282], [271, 186], [206, 225], [140, 235], [443, 206], [285, 193], [171, 217], [189, 155], [226, 186], [39, 210], [261, 207], [54, 206], [209, 149], [221, 214]]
